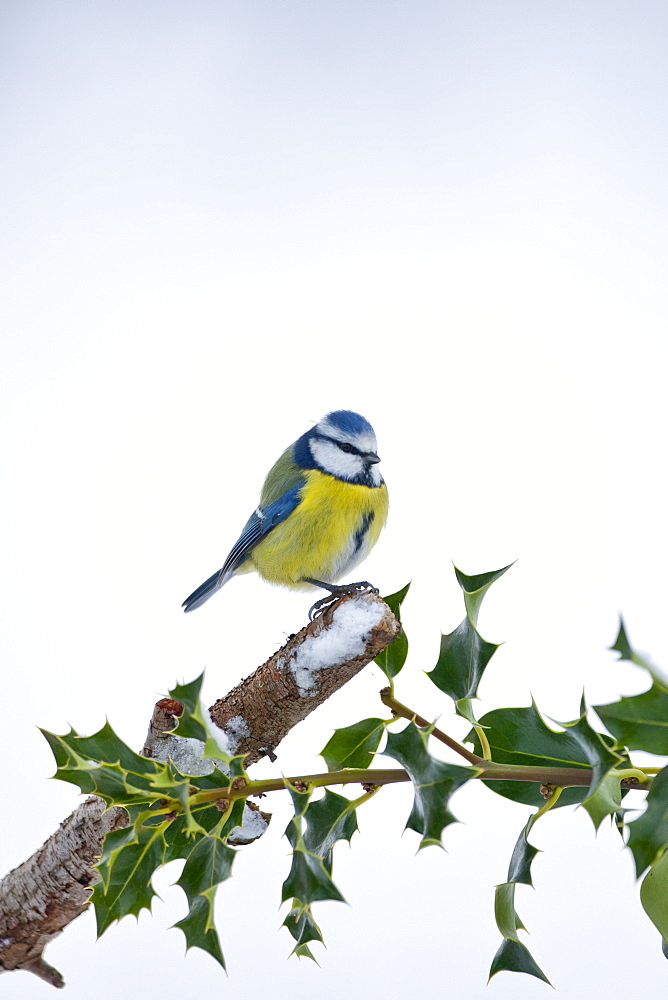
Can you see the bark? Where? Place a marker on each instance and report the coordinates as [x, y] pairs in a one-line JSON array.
[[49, 890], [44, 894]]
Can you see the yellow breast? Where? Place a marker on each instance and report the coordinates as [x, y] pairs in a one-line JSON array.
[[324, 537]]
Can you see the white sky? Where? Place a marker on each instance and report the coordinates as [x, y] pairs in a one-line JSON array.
[[221, 220]]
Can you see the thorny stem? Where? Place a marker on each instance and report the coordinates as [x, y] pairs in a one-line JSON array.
[[347, 777], [560, 777]]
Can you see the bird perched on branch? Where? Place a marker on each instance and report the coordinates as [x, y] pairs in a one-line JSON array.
[[322, 508]]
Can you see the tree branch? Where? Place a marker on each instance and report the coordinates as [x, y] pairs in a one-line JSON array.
[[49, 890], [44, 894]]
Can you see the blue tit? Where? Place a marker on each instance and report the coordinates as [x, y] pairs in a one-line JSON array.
[[322, 508]]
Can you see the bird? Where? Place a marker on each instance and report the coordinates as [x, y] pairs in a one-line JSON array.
[[322, 508]]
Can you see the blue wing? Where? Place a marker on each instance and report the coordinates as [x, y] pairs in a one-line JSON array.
[[258, 526]]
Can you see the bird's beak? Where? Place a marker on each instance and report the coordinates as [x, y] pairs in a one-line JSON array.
[[371, 458]]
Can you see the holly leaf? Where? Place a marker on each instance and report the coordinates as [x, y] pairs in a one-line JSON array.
[[599, 756], [654, 896], [639, 722], [191, 723], [462, 661], [199, 929], [308, 880], [464, 654], [622, 646], [519, 869], [521, 736], [505, 914], [507, 918], [208, 864], [648, 834], [513, 956], [605, 800], [112, 845], [106, 747], [392, 658], [128, 888], [434, 782], [329, 819], [70, 766], [353, 746], [304, 930], [475, 588]]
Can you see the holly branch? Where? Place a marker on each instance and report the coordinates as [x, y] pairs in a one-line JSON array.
[[188, 794]]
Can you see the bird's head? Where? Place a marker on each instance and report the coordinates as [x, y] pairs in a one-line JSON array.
[[343, 444]]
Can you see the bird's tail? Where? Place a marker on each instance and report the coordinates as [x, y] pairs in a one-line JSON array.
[[206, 590]]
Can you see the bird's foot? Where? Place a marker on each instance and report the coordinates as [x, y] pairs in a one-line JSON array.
[[337, 591]]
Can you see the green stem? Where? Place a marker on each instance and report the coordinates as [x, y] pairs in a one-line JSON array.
[[347, 777], [402, 711], [636, 772], [546, 806], [560, 777], [484, 742]]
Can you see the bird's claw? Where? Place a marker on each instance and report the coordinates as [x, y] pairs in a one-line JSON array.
[[336, 592]]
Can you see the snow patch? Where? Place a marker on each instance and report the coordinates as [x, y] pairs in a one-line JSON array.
[[345, 639], [229, 738], [186, 753], [253, 825]]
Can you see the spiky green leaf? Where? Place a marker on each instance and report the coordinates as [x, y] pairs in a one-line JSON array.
[[505, 913], [627, 652], [605, 800], [519, 869], [654, 895], [392, 658], [353, 746], [208, 864], [328, 819], [190, 723], [648, 834], [462, 661], [521, 736], [70, 766], [304, 929], [621, 644], [475, 588], [595, 751], [515, 957], [433, 782], [199, 928], [308, 880], [195, 722], [639, 722], [128, 888], [107, 747]]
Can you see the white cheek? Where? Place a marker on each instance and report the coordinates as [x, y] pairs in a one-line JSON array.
[[338, 463]]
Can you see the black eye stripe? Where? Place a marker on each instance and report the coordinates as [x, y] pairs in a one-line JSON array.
[[348, 448]]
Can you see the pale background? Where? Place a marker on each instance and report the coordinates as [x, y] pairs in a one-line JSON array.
[[223, 219]]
